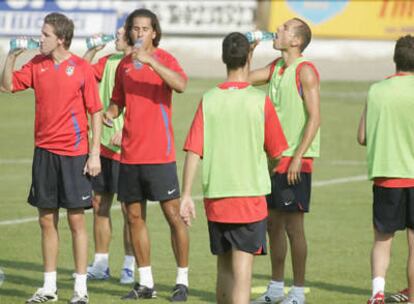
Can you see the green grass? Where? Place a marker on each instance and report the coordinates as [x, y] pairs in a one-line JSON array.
[[339, 228]]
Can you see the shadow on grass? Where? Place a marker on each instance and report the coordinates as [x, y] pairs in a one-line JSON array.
[[23, 265], [195, 295], [16, 272], [325, 286]]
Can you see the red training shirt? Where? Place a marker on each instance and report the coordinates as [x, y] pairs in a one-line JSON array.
[[99, 67], [63, 94], [147, 136], [238, 209]]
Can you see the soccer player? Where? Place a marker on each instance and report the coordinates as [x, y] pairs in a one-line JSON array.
[[233, 129], [386, 128], [143, 86], [65, 90], [105, 185], [294, 90]]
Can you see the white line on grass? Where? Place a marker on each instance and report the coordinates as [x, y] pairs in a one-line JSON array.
[[343, 180], [322, 183], [15, 161]]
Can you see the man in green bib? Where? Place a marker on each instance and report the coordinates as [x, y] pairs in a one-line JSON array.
[[105, 185], [294, 90], [387, 129], [234, 130]]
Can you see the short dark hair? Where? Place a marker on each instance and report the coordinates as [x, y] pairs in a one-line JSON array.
[[236, 49], [304, 32], [404, 54], [142, 12], [63, 27]]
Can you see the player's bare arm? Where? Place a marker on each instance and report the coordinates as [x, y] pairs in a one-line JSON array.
[[7, 79], [173, 79], [311, 99], [361, 137], [90, 53], [187, 209], [93, 165], [259, 76]]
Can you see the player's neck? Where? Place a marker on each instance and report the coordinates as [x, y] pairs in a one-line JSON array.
[[290, 55], [150, 49], [127, 50], [404, 73], [239, 75], [60, 55]]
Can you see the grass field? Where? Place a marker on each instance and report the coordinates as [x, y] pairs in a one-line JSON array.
[[339, 229]]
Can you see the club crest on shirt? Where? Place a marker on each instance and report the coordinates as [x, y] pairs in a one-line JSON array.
[[69, 70]]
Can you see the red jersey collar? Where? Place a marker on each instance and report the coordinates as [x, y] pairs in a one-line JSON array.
[[400, 74], [233, 85]]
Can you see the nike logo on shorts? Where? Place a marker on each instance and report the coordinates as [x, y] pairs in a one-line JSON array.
[[84, 198], [171, 191], [287, 203]]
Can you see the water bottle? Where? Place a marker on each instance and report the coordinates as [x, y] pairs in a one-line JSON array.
[[260, 36], [92, 42], [24, 43], [137, 63]]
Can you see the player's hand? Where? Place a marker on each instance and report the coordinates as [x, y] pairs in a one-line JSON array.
[[93, 165], [141, 55], [253, 45], [16, 52], [116, 139], [107, 120], [98, 47], [272, 164], [293, 174], [187, 209]]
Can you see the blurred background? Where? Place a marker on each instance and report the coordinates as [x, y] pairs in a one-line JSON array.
[[353, 40]]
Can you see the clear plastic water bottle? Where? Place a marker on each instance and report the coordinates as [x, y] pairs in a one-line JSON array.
[[137, 63], [92, 42], [260, 36], [24, 43]]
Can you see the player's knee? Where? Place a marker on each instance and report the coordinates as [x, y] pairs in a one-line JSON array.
[[46, 223], [295, 231], [102, 210], [174, 220], [77, 225], [135, 219]]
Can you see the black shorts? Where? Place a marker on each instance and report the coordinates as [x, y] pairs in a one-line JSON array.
[[290, 198], [58, 181], [107, 180], [393, 209], [248, 237], [138, 183]]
